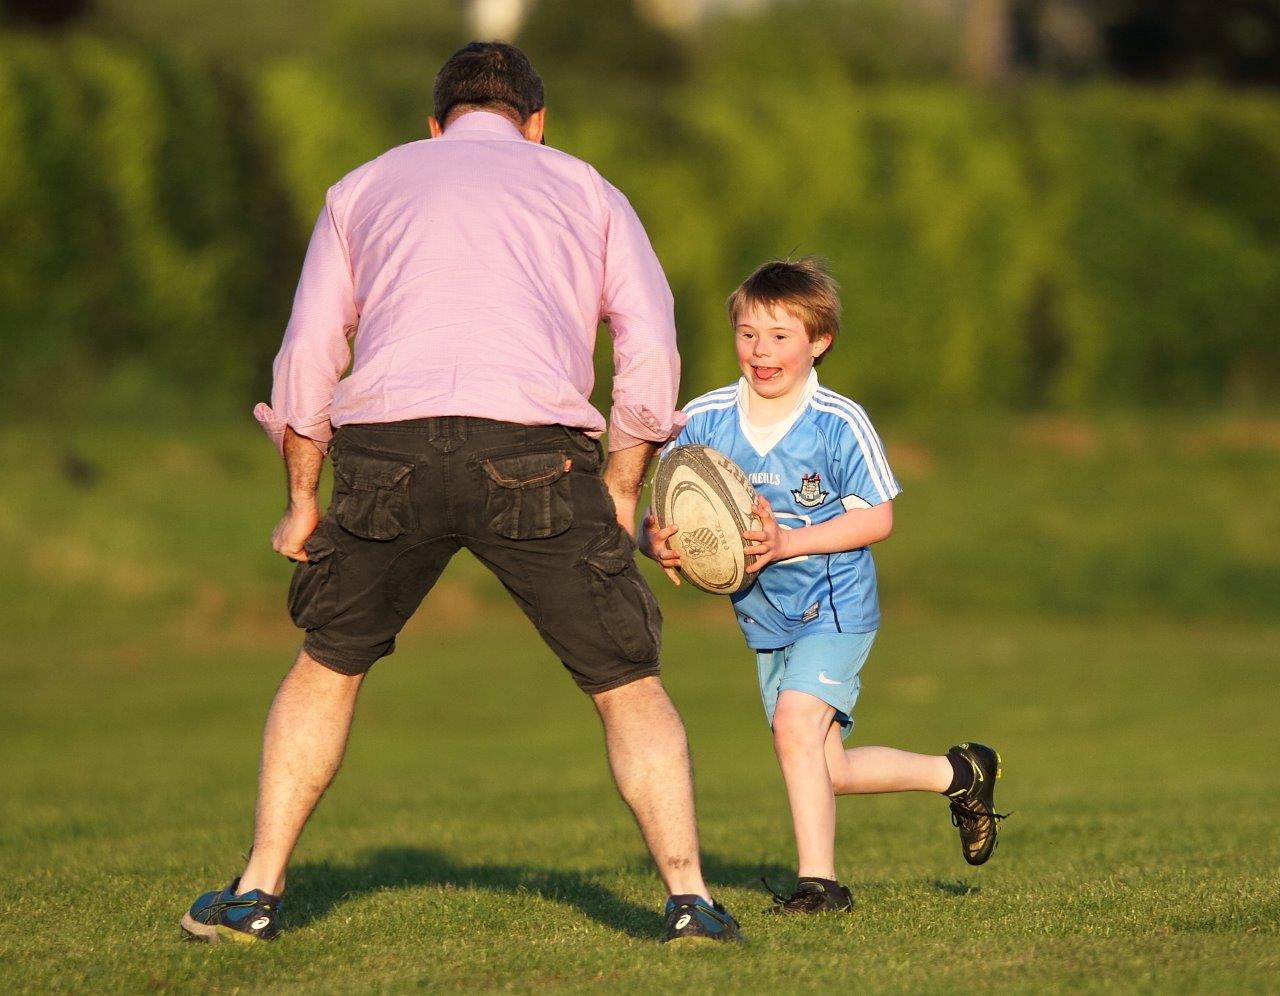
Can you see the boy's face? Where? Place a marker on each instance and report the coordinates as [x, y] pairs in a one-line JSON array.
[[774, 351]]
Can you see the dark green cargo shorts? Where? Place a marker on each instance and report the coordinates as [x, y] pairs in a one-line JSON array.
[[528, 501]]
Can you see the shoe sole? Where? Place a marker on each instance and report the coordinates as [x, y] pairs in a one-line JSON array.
[[199, 931], [215, 933], [700, 940]]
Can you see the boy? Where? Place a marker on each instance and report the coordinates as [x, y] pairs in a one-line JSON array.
[[826, 494]]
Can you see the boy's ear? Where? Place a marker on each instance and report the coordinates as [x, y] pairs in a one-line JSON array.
[[820, 345]]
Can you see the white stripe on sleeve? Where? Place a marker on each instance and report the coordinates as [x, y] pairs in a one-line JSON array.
[[860, 414], [867, 455]]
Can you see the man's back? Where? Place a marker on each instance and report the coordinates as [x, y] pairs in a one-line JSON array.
[[477, 261], [473, 270]]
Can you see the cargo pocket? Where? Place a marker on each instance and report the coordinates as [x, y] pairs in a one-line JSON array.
[[371, 495], [529, 495], [313, 591], [627, 610]]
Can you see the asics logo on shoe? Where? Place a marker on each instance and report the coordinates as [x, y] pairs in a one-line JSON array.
[[822, 677], [261, 922], [683, 922]]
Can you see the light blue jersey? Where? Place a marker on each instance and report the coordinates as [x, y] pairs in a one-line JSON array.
[[825, 459]]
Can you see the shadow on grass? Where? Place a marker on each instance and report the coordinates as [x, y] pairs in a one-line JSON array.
[[317, 888], [956, 888]]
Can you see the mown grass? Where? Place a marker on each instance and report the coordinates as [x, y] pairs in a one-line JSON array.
[[473, 839]]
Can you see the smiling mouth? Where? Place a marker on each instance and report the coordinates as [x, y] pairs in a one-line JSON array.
[[766, 373]]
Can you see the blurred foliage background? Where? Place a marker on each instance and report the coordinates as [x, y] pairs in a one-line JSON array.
[[1058, 204]]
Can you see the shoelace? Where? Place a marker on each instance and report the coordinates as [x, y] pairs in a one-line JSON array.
[[778, 897], [962, 814], [796, 901]]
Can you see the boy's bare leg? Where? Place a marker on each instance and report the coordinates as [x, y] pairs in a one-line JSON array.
[[302, 747], [867, 770], [649, 757], [801, 725]]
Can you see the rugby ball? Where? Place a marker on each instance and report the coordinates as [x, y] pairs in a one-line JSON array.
[[704, 493]]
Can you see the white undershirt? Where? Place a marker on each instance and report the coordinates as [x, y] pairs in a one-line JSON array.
[[765, 437]]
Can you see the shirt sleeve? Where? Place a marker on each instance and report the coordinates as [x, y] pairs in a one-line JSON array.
[[689, 431], [637, 306], [862, 477], [315, 351]]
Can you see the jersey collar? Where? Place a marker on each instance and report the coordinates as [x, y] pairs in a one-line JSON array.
[[810, 389], [764, 438]]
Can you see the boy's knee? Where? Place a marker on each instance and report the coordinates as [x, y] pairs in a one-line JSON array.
[[793, 733]]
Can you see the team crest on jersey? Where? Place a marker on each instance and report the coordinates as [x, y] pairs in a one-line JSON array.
[[810, 494]]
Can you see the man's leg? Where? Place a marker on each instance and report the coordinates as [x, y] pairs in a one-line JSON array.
[[302, 747], [649, 757]]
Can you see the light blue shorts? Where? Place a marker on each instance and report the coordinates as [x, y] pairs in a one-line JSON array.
[[825, 666]]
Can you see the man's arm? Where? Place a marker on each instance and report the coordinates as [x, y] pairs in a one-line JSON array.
[[316, 349], [637, 306], [302, 461], [624, 477]]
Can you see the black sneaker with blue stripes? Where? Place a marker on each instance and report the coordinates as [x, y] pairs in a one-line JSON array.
[[701, 921], [227, 916]]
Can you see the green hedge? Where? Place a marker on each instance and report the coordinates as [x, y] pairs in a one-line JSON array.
[[1046, 246]]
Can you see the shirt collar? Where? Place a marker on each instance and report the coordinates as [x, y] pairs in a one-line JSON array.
[[482, 124]]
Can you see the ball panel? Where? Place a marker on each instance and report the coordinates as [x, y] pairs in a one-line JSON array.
[[710, 499]]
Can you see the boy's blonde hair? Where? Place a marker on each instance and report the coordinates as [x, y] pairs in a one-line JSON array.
[[802, 287]]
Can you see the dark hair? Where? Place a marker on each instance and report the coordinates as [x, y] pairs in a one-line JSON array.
[[802, 287], [487, 75]]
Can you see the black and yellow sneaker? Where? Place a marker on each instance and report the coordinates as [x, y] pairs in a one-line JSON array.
[[226, 916], [973, 810], [811, 897], [699, 920]]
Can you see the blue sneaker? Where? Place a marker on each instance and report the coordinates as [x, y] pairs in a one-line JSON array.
[[700, 920], [225, 916]]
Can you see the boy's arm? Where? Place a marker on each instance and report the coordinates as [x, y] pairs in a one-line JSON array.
[[851, 530]]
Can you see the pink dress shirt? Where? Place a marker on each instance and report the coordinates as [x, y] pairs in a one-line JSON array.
[[470, 273]]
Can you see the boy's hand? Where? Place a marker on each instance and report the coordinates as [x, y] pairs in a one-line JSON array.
[[655, 546], [769, 542]]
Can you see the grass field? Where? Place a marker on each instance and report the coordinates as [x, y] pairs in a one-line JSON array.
[[1097, 599]]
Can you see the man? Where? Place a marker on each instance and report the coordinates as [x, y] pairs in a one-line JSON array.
[[470, 272]]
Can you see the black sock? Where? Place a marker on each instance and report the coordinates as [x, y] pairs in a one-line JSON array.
[[830, 884], [685, 900], [961, 776]]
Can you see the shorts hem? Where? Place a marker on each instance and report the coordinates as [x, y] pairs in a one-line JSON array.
[[339, 662], [820, 696], [650, 671]]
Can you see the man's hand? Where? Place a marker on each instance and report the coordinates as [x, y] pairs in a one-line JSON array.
[[623, 477], [293, 530], [769, 542], [302, 460], [653, 544]]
